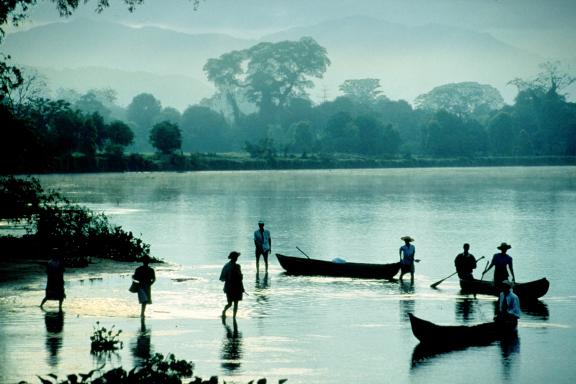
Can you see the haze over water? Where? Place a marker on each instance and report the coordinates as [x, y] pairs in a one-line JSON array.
[[312, 329]]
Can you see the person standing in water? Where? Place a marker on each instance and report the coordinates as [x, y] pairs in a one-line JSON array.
[[231, 275], [55, 280], [145, 276], [263, 244], [407, 254]]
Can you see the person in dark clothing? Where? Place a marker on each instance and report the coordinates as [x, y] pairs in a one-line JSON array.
[[465, 263], [55, 281], [501, 263], [145, 276], [231, 275]]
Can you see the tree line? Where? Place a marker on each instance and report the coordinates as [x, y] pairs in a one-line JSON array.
[[262, 107]]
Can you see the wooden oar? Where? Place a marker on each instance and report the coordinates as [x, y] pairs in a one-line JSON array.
[[440, 281], [303, 252]]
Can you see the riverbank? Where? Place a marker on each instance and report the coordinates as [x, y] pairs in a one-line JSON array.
[[150, 162]]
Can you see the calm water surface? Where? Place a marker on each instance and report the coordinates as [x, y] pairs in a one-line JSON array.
[[313, 329]]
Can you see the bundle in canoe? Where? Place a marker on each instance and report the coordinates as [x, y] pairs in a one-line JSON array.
[[446, 336], [301, 266], [531, 290]]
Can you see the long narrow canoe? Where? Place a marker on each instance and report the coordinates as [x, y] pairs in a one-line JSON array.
[[301, 266], [447, 336], [526, 291]]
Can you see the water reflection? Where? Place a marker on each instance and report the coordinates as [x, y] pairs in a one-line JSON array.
[[424, 354], [231, 347], [536, 309], [261, 294], [407, 304], [510, 348], [142, 347], [54, 322], [465, 308]]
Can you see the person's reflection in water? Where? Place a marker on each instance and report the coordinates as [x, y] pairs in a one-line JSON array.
[[406, 299], [510, 347], [54, 325], [260, 292], [231, 347], [465, 308], [141, 348]]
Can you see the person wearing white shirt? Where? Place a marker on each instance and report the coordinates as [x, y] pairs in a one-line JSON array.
[[407, 253], [263, 243], [508, 305]]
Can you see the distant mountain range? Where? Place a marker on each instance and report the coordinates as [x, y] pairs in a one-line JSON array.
[[84, 54]]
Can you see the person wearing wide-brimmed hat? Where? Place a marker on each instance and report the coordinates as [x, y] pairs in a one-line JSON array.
[[407, 253], [501, 262], [263, 244], [55, 282], [231, 275], [508, 304]]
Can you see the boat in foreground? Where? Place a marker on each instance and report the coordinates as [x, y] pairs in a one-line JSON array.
[[452, 336], [526, 291], [301, 266]]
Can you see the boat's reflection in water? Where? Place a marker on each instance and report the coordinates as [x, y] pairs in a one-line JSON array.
[[424, 354]]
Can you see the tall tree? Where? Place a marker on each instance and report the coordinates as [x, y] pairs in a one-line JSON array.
[[143, 111], [166, 137], [364, 91], [268, 74], [461, 99]]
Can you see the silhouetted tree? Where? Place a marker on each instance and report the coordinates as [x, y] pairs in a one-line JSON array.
[[166, 137], [143, 111]]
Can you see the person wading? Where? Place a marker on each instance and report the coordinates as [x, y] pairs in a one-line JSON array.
[[231, 275]]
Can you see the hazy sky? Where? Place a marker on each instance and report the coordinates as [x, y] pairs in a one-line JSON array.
[[543, 26]]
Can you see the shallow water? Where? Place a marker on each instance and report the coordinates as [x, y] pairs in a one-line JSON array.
[[312, 329]]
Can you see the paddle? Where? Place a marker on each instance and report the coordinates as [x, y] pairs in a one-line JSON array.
[[303, 252], [485, 270], [440, 282]]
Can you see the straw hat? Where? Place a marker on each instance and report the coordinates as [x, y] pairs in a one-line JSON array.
[[407, 238], [234, 255], [504, 246]]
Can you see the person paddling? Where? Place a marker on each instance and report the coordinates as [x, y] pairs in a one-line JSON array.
[[465, 263]]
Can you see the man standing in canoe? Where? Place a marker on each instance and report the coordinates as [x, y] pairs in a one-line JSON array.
[[465, 263], [501, 263], [407, 253], [263, 243]]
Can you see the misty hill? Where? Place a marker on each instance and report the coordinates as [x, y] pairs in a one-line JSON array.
[[176, 91], [412, 60], [408, 60]]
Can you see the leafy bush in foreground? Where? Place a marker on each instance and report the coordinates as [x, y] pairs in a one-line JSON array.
[[51, 221], [155, 370]]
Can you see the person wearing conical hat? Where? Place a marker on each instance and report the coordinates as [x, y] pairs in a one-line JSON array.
[[232, 277], [407, 254], [502, 262]]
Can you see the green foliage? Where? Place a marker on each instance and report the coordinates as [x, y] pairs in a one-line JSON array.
[[166, 137], [264, 149], [365, 91], [105, 340], [52, 220]]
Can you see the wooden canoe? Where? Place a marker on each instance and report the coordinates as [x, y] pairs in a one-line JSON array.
[[301, 266], [526, 291], [452, 336]]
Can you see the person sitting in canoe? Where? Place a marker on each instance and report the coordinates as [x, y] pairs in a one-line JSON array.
[[407, 253], [465, 263], [501, 263], [508, 305]]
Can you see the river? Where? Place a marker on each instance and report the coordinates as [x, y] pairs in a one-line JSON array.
[[312, 329]]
